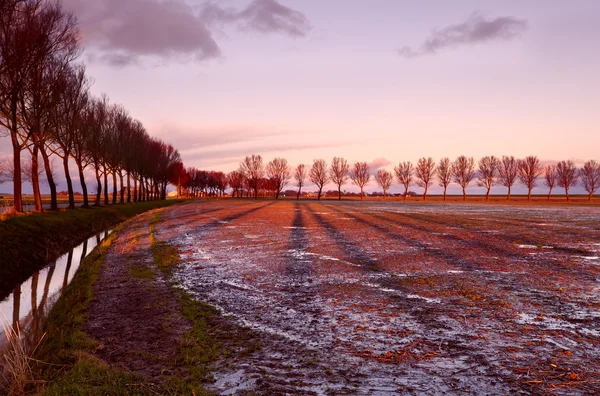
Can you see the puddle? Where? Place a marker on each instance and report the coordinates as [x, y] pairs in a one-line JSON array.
[[29, 303]]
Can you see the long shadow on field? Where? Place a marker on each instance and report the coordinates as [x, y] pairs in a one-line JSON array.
[[477, 242], [298, 265]]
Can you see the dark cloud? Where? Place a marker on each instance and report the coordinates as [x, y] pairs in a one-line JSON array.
[[264, 16], [476, 29], [121, 32]]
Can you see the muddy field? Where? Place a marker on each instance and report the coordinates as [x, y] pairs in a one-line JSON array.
[[384, 298]]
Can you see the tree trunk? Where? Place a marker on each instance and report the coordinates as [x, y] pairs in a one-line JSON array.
[[122, 191], [69, 182], [17, 187], [16, 306], [135, 190], [128, 187], [487, 195], [114, 177], [98, 185], [590, 197], [298, 196], [256, 193], [567, 193], [86, 203], [445, 193], [508, 197], [35, 178], [50, 178], [549, 193], [361, 194], [105, 185], [464, 194], [319, 196], [339, 193], [529, 194]]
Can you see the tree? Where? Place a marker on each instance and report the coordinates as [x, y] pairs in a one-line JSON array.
[[318, 175], [253, 169], [404, 173], [300, 177], [425, 172], [487, 173], [566, 176], [444, 174], [590, 177], [529, 170], [360, 175], [236, 182], [550, 177], [278, 171], [339, 173], [463, 172], [508, 171], [384, 179]]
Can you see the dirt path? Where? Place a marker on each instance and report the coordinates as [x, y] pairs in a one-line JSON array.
[[135, 315]]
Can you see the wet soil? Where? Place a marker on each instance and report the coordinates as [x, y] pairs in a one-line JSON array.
[[367, 298], [137, 322]]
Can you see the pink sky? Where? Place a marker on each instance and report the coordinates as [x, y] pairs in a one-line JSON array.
[[365, 80]]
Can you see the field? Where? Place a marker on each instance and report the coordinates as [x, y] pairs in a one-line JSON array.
[[375, 297]]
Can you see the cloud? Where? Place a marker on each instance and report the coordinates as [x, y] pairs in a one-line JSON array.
[[121, 32], [377, 164], [476, 29], [263, 16]]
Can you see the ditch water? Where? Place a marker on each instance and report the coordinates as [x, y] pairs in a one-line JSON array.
[[29, 304]]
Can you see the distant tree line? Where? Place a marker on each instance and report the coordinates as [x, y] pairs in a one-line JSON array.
[[46, 110], [255, 179]]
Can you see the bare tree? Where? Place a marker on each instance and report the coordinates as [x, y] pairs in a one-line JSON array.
[[404, 174], [529, 171], [384, 179], [463, 173], [339, 173], [300, 177], [590, 177], [444, 174], [508, 172], [318, 175], [487, 173], [278, 171], [253, 169], [425, 172], [236, 182], [550, 177], [566, 176], [360, 175]]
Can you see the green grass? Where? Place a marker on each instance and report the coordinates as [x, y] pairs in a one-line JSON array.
[[31, 241]]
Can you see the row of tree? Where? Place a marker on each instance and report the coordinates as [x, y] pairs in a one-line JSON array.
[[46, 110], [488, 172]]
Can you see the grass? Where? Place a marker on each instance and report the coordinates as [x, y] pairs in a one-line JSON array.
[[31, 241]]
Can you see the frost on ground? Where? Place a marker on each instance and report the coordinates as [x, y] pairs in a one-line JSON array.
[[405, 298]]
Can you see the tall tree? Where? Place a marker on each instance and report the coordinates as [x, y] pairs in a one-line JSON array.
[[425, 172], [566, 176], [404, 174], [444, 174], [236, 182], [487, 173], [278, 171], [339, 173], [508, 172], [550, 178], [318, 175], [463, 173], [529, 171], [384, 179], [360, 175], [590, 177], [300, 177], [253, 170]]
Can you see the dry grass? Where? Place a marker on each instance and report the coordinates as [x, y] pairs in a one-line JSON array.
[[16, 360]]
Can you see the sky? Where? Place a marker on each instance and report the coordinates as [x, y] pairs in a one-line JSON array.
[[381, 81]]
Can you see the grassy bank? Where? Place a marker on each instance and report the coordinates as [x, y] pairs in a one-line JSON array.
[[31, 241], [68, 364]]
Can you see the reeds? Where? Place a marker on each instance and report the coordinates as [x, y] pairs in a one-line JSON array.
[[16, 359]]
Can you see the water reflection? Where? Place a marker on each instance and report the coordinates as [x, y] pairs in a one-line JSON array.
[[29, 304]]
